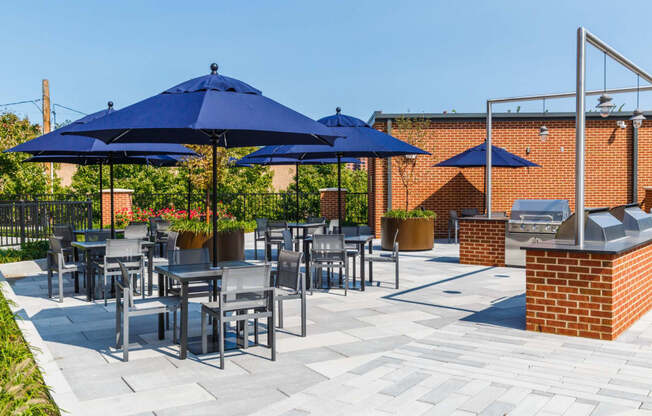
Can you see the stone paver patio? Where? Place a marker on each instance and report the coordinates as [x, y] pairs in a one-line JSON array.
[[450, 341]]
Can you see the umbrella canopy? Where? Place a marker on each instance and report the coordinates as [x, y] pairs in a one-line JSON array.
[[153, 160], [476, 157], [357, 139], [56, 142], [269, 161], [211, 109], [208, 109]]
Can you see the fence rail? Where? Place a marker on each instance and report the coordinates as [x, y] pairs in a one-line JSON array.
[[22, 221]]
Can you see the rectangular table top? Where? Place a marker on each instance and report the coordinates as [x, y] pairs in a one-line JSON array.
[[305, 224], [353, 238], [189, 272], [89, 245]]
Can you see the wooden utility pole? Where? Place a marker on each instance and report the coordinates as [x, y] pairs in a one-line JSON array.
[[46, 123]]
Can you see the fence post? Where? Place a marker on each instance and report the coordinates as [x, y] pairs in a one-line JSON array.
[[89, 209], [21, 220]]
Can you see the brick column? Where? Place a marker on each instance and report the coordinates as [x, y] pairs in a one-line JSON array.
[[328, 203], [647, 201], [482, 241], [586, 294], [121, 200]]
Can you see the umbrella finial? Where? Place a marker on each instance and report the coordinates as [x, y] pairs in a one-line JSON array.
[[110, 105], [214, 68], [338, 110]]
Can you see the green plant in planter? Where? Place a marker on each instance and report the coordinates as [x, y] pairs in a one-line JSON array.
[[201, 227], [415, 213]]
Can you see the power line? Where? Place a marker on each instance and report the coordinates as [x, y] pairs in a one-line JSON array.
[[70, 109], [20, 102]]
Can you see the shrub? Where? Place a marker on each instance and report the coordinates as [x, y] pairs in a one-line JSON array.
[[31, 250], [223, 224], [415, 213]]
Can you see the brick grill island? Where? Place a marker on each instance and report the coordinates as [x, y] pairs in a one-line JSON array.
[[482, 240], [596, 291]]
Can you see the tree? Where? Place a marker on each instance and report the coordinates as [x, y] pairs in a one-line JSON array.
[[413, 131], [17, 177]]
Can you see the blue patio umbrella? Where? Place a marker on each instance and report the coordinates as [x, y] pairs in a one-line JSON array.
[[269, 161], [476, 157], [57, 143], [153, 160], [358, 139], [212, 110]]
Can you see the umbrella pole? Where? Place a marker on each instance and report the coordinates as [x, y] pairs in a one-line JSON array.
[[101, 205], [339, 192], [189, 191], [111, 180], [214, 201], [297, 179]]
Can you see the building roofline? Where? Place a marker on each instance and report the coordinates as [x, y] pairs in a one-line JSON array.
[[379, 116]]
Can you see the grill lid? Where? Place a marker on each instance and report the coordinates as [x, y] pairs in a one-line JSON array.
[[548, 210]]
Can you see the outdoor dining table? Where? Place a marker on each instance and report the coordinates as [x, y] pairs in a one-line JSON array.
[[88, 246], [360, 240], [184, 274], [303, 226]]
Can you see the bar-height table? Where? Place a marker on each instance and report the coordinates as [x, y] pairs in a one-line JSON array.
[[184, 274], [360, 240], [88, 246]]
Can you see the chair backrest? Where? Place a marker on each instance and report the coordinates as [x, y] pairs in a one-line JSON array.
[[261, 227], [123, 249], [333, 225], [289, 270], [349, 231], [162, 226], [173, 236], [65, 233], [321, 220], [189, 256], [469, 212], [287, 240], [364, 230], [315, 230], [275, 229], [328, 246], [246, 288], [136, 231], [101, 235], [153, 224]]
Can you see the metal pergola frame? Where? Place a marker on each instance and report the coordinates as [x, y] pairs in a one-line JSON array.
[[583, 36]]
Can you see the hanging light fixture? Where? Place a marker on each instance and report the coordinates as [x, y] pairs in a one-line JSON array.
[[638, 117], [604, 102], [543, 130]]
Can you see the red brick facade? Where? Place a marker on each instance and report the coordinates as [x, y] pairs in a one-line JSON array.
[[482, 242], [587, 295], [121, 200], [328, 203], [608, 165]]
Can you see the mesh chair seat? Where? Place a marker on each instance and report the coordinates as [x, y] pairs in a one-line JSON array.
[[165, 302]]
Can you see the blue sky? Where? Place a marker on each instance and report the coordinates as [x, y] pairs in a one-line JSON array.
[[394, 56]]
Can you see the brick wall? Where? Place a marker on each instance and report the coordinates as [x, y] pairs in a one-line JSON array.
[[608, 166], [121, 200], [328, 203], [482, 242], [585, 294]]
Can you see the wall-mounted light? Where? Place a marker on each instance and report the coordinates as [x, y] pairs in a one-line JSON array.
[[527, 150], [621, 124], [638, 117], [410, 156]]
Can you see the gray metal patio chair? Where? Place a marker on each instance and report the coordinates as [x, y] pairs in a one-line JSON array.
[[136, 231], [56, 261], [311, 220], [259, 234], [364, 230], [453, 224], [130, 253], [100, 235], [66, 236], [352, 250], [290, 284], [274, 236], [189, 256], [126, 306], [333, 226], [328, 251], [391, 257], [245, 295]]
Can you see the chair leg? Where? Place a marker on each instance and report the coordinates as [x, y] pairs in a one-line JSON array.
[[303, 313], [125, 332], [255, 248], [256, 331], [280, 313], [204, 341], [49, 282], [397, 273], [174, 327], [245, 334], [271, 335], [346, 278], [60, 287], [118, 325], [104, 290], [221, 339]]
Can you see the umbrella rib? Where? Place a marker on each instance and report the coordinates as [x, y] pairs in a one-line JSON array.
[[119, 136]]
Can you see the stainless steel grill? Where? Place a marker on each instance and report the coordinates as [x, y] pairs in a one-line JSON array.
[[531, 221]]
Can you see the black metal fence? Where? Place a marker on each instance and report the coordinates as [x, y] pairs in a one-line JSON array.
[[22, 221]]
